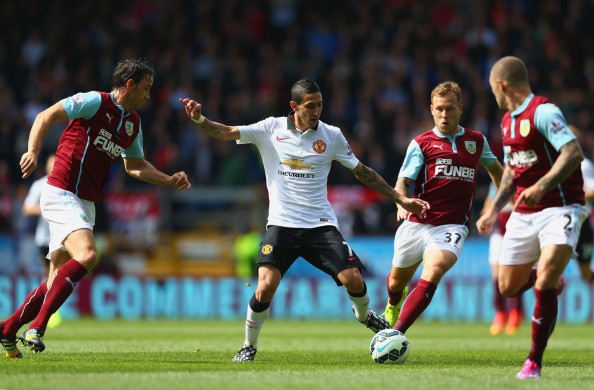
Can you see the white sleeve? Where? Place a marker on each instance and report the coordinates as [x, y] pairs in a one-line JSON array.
[[34, 194], [588, 173], [343, 153], [254, 133]]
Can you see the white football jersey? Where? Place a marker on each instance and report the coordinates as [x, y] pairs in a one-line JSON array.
[[297, 166], [588, 174], [42, 233]]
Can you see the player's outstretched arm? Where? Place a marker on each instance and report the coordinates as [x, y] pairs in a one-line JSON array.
[[141, 169], [373, 180], [214, 129], [402, 187], [43, 121], [504, 193], [495, 171], [569, 159], [486, 221]]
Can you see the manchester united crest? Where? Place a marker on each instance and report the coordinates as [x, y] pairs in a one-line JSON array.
[[266, 249], [319, 146]]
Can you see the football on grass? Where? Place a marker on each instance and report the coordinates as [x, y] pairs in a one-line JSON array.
[[389, 346]]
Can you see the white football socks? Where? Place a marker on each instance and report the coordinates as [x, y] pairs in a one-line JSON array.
[[253, 325], [360, 306]]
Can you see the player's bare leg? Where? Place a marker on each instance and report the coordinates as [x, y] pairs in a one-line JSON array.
[[81, 256], [357, 292], [436, 264], [397, 286], [269, 278]]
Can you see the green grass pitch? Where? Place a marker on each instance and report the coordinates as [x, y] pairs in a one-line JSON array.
[[184, 354]]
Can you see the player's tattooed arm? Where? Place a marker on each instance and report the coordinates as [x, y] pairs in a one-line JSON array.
[[403, 185], [214, 129], [219, 131], [373, 180], [506, 189], [211, 128], [569, 159]]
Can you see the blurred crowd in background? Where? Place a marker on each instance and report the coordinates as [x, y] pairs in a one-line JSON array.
[[375, 60]]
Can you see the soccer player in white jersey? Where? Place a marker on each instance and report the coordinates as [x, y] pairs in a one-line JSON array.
[[542, 159], [297, 151]]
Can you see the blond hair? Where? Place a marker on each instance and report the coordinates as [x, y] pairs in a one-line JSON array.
[[447, 88]]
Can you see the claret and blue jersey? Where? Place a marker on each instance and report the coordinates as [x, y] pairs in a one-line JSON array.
[[533, 135], [444, 169], [99, 131]]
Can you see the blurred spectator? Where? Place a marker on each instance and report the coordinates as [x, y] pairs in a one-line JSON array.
[[246, 249], [376, 60], [6, 206]]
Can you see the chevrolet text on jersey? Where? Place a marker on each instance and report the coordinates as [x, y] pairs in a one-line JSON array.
[[297, 165], [297, 174]]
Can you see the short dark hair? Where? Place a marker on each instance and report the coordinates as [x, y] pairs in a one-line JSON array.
[[302, 88], [131, 68], [511, 69]]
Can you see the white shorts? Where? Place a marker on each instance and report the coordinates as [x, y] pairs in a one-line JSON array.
[[65, 213], [495, 241], [414, 239], [526, 234]]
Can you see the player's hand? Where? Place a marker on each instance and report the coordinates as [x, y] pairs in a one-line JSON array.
[[530, 196], [401, 213], [180, 181], [486, 222], [193, 108], [416, 206], [28, 164]]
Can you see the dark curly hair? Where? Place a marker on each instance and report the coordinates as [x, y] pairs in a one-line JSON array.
[[131, 68]]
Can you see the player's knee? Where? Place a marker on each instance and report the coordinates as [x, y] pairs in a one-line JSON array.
[[396, 284], [547, 279], [264, 293], [88, 258], [266, 289], [352, 279], [507, 289], [434, 274], [508, 292]]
